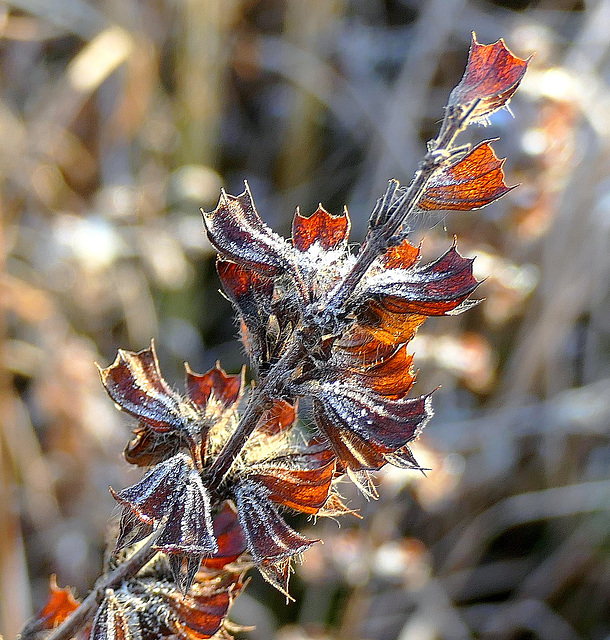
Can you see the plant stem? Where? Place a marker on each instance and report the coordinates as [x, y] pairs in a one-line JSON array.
[[86, 610], [378, 237], [269, 389]]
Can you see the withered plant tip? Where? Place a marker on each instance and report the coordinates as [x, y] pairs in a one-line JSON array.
[[318, 322]]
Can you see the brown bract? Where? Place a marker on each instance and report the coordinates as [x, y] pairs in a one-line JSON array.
[[237, 231]]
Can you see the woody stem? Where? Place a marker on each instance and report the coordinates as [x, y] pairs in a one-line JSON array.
[[86, 610]]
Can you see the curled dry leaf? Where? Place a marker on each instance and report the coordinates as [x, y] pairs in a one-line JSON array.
[[135, 383], [172, 492], [431, 290], [299, 481], [251, 295], [271, 542], [229, 536], [363, 427], [168, 421]]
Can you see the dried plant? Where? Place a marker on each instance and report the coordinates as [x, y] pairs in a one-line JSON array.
[[319, 323]]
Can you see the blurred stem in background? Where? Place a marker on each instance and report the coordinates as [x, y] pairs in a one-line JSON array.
[[203, 51], [310, 26]]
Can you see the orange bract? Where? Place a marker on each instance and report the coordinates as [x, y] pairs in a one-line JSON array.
[[280, 417], [473, 182], [329, 231], [401, 256], [304, 489], [59, 606]]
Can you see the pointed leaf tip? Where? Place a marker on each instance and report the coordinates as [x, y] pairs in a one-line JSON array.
[[135, 383], [238, 233]]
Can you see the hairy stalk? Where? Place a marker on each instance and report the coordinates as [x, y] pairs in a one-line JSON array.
[[124, 571], [381, 230], [272, 386]]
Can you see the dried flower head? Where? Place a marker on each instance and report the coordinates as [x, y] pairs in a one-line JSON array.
[[318, 322]]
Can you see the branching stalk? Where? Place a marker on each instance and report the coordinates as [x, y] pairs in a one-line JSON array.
[[376, 242], [381, 231]]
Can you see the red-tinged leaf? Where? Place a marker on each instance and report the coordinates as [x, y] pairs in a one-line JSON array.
[[354, 453], [230, 537], [200, 614], [301, 481], [135, 383], [433, 289], [391, 377], [227, 389], [114, 621], [492, 76], [250, 292], [279, 418], [59, 606], [359, 345], [270, 540], [473, 182], [362, 427], [401, 256], [251, 295], [330, 232], [153, 496], [146, 448], [238, 233]]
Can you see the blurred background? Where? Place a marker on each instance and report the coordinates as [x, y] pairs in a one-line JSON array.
[[120, 118]]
